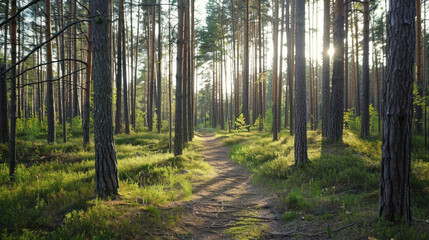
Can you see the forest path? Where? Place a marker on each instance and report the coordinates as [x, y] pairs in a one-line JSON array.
[[228, 206]]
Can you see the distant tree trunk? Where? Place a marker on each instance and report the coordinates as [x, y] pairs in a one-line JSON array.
[[346, 58], [246, 65], [106, 167], [326, 89], [76, 111], [260, 77], [394, 201], [4, 122], [275, 62], [118, 114], [178, 136], [280, 79], [159, 77], [12, 133], [63, 72], [87, 105], [124, 76], [336, 114], [170, 76], [237, 83], [358, 107], [292, 67], [50, 77], [300, 89], [365, 124]]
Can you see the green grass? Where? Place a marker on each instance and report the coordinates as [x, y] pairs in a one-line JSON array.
[[53, 195], [338, 187]]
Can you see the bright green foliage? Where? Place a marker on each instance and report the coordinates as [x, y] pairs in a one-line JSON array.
[[240, 124]]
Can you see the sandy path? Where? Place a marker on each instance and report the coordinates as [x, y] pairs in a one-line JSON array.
[[228, 206]]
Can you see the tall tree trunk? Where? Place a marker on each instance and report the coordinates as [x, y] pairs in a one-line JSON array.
[[365, 124], [87, 106], [50, 76], [12, 133], [106, 166], [246, 65], [124, 76], [275, 64], [178, 136], [300, 89], [118, 113], [159, 77], [76, 111], [261, 73], [292, 67], [419, 67], [394, 201], [357, 101], [280, 79], [336, 114], [4, 122], [170, 77], [326, 89]]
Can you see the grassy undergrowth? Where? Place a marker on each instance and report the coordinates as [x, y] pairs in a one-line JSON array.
[[53, 195], [338, 188]]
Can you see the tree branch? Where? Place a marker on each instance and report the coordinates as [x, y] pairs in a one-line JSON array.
[[42, 64], [54, 80], [42, 44], [18, 12]]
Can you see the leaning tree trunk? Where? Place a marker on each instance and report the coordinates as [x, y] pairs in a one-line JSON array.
[[394, 201], [106, 166], [50, 77], [364, 130], [300, 96], [336, 113], [326, 90]]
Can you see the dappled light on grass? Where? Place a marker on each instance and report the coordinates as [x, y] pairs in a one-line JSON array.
[[339, 186], [57, 195]]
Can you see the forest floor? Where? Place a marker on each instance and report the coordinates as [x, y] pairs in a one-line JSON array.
[[228, 205]]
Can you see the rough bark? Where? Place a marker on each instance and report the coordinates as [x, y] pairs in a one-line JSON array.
[[394, 201], [106, 167], [300, 89], [336, 111]]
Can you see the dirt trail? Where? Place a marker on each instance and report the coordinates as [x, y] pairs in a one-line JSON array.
[[228, 206]]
